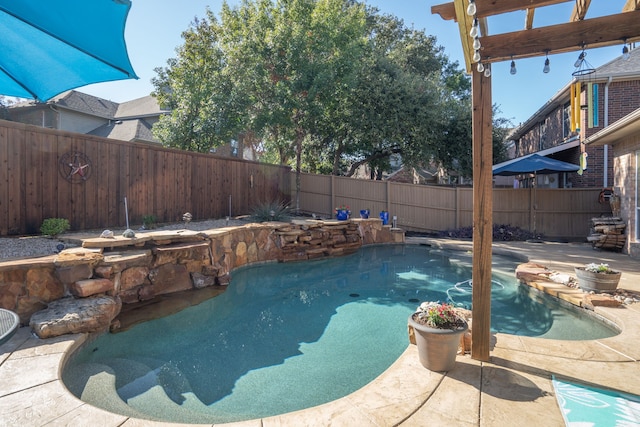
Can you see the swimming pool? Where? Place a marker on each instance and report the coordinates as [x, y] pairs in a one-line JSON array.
[[285, 337]]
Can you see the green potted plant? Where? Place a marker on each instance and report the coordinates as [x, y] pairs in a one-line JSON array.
[[597, 277], [437, 328]]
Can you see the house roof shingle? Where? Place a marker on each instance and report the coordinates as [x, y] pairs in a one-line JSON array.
[[86, 103], [141, 107], [127, 130]]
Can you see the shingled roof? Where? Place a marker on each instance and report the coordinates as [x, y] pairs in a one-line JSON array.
[[141, 107], [86, 103], [126, 121], [126, 130], [620, 65]]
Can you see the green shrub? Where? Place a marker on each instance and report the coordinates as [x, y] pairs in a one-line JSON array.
[[271, 211], [149, 221], [54, 226]]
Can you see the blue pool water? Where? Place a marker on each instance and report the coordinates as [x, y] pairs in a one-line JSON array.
[[284, 337]]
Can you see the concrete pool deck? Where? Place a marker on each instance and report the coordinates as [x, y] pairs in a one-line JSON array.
[[513, 388]]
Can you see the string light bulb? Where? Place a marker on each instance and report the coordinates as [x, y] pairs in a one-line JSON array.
[[513, 70], [487, 71], [480, 67], [476, 56], [580, 59], [476, 44], [474, 32], [471, 9], [625, 53], [546, 67]]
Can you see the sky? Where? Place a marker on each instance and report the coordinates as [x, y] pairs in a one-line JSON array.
[[154, 28]]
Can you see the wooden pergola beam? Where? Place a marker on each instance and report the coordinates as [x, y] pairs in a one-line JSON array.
[[580, 10], [631, 5], [591, 33], [528, 22], [492, 7], [482, 124]]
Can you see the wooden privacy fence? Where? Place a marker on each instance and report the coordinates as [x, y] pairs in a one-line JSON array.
[[48, 173], [558, 213]]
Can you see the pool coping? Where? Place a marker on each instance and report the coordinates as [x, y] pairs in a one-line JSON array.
[[32, 392]]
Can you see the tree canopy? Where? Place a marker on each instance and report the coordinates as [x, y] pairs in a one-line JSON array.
[[323, 85]]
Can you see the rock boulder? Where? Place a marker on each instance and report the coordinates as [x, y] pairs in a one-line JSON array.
[[72, 316]]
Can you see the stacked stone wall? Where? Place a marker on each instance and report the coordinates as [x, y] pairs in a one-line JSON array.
[[150, 265]]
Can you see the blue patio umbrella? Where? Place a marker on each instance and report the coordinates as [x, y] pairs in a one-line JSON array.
[[48, 47], [535, 164]]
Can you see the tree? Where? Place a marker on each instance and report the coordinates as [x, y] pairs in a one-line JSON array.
[[207, 108], [322, 85], [405, 92], [276, 66]]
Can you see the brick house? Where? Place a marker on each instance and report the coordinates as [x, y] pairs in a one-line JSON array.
[[606, 96], [623, 137]]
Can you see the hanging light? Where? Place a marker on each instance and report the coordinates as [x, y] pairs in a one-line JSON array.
[[625, 51], [546, 67], [487, 71], [580, 59], [513, 70], [474, 32], [583, 67], [476, 44], [471, 9], [476, 56], [480, 67]]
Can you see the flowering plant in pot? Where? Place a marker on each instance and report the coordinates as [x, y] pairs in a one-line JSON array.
[[437, 328], [597, 277]]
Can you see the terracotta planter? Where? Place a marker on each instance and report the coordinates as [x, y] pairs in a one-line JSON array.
[[597, 282], [437, 348]]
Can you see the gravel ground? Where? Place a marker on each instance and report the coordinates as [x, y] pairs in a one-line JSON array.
[[36, 246]]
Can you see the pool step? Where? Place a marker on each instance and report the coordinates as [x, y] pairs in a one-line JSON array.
[[96, 383], [156, 388]]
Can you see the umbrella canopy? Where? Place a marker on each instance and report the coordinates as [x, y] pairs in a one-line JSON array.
[[535, 163], [48, 47]]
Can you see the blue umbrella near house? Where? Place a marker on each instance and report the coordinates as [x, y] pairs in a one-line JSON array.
[[48, 47], [535, 164]]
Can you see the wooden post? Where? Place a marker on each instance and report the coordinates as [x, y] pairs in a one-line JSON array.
[[482, 215]]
